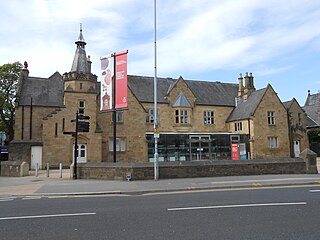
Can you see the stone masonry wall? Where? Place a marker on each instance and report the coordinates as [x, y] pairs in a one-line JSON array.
[[261, 130]]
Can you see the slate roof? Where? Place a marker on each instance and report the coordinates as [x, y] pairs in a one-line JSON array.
[[312, 107], [206, 93], [245, 109], [142, 88], [287, 104], [311, 123], [181, 101], [214, 93], [43, 91], [80, 62]]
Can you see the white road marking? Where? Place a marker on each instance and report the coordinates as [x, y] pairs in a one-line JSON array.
[[262, 180], [237, 206], [48, 216], [314, 191], [6, 199], [31, 198]]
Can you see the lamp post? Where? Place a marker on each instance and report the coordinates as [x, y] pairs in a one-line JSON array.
[[156, 131]]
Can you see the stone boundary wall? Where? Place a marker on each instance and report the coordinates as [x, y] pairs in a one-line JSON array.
[[167, 170], [14, 169]]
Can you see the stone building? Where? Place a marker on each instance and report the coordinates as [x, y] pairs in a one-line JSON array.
[[297, 118], [312, 109], [198, 120]]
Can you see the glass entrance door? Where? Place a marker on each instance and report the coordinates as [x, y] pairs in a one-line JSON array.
[[200, 147]]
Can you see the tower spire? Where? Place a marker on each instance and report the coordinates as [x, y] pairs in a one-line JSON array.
[[80, 63]]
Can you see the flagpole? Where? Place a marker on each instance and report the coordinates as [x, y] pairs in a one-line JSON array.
[[155, 112]]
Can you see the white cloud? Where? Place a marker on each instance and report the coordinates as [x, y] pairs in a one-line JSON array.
[[193, 36]]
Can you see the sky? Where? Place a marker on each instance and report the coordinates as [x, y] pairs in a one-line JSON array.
[[207, 40]]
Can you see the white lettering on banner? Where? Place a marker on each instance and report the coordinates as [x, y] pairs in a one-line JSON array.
[[121, 62], [120, 75]]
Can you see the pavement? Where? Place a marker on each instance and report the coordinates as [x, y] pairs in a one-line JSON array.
[[62, 185]]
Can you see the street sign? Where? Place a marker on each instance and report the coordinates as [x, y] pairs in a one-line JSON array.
[[4, 150], [82, 117], [83, 126], [156, 133]]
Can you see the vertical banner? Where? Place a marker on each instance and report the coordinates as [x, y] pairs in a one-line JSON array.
[[106, 84], [121, 80], [234, 151]]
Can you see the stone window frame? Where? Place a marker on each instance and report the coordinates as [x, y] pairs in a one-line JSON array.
[[182, 116], [150, 115], [120, 144], [119, 116], [208, 117], [238, 126], [56, 130], [271, 118], [81, 107], [273, 142], [299, 119]]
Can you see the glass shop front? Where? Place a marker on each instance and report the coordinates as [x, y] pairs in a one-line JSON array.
[[194, 146]]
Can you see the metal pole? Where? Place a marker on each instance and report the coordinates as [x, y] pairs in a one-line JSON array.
[[37, 168], [114, 111], [48, 166], [75, 149], [156, 159], [30, 118], [60, 170]]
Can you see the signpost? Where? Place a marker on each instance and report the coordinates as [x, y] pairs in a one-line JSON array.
[[81, 126]]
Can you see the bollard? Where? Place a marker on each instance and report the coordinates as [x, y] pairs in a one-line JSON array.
[[48, 169], [60, 168], [36, 169]]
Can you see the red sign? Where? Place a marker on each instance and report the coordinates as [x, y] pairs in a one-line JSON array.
[[234, 152], [121, 80]]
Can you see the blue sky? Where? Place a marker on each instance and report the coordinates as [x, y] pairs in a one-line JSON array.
[[211, 40]]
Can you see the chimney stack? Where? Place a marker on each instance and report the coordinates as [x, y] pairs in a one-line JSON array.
[[246, 84], [249, 85], [240, 91], [251, 82], [89, 64]]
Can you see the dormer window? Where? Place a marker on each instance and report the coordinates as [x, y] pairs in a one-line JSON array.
[[182, 116]]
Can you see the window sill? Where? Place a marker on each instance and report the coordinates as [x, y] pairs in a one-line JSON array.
[[182, 127]]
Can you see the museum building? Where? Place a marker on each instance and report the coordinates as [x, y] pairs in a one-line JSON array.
[[198, 120]]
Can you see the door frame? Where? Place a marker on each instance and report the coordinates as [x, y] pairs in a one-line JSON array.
[[36, 157], [82, 151], [198, 140], [296, 150]]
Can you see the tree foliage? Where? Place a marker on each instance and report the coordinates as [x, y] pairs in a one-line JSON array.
[[9, 75], [314, 135]]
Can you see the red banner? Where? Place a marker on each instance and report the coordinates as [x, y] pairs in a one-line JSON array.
[[234, 151], [121, 80]]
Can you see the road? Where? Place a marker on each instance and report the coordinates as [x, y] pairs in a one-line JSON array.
[[273, 213]]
